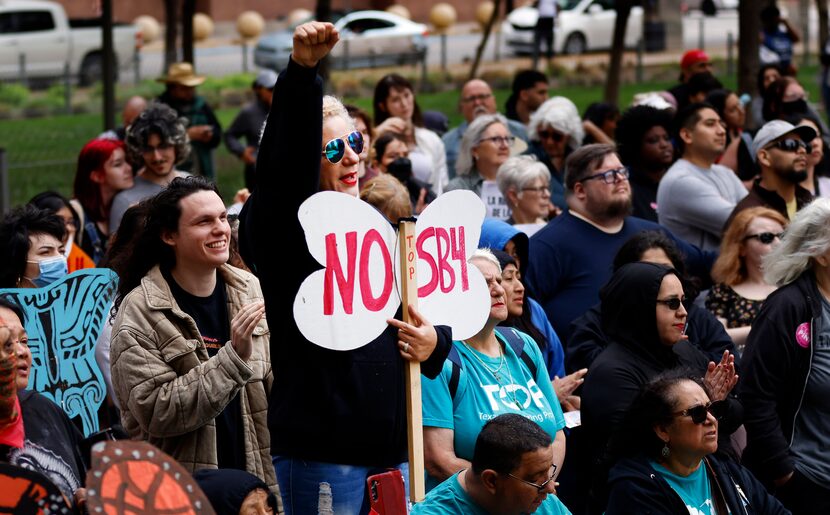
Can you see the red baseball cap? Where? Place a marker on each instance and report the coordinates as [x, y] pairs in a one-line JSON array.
[[693, 57]]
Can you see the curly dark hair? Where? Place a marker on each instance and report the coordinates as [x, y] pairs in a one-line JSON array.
[[632, 128], [145, 249], [161, 120], [15, 229]]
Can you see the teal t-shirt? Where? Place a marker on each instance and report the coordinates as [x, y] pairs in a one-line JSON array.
[[449, 498], [481, 396], [695, 490]]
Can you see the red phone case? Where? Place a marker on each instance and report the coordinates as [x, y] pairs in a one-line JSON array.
[[387, 493]]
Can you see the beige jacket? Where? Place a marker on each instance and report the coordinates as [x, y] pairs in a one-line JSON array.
[[171, 391]]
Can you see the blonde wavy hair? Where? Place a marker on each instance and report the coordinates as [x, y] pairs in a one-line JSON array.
[[334, 107], [730, 267]]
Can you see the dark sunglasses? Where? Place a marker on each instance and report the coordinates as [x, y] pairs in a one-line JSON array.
[[336, 148], [672, 303], [555, 136], [792, 145], [765, 237], [698, 413], [540, 486], [609, 177]]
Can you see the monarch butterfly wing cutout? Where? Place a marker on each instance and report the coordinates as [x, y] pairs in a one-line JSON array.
[[63, 321], [129, 477], [26, 492]]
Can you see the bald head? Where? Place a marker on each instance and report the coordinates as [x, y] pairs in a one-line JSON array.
[[134, 107], [477, 98]]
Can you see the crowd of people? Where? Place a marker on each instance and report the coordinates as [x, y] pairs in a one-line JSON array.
[[658, 281]]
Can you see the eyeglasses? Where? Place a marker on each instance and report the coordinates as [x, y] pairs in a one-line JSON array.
[[476, 98], [554, 135], [792, 145], [610, 177], [765, 237], [672, 303], [541, 486], [698, 413], [336, 148], [501, 140], [539, 189]]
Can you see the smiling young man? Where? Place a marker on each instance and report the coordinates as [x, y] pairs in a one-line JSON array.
[[512, 473], [781, 151], [190, 356], [696, 196]]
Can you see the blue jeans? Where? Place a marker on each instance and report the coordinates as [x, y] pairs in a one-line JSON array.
[[300, 483]]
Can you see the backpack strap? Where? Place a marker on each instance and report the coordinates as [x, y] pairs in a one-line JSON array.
[[517, 343]]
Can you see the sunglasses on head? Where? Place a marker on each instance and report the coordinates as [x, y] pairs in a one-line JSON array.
[[765, 237], [336, 148], [672, 303], [698, 413], [555, 136], [792, 145]]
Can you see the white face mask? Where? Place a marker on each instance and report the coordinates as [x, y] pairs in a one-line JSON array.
[[68, 247]]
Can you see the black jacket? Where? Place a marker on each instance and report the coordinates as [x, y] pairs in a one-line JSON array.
[[329, 406], [636, 488], [587, 340], [776, 367]]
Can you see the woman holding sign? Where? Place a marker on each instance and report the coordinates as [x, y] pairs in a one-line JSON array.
[[335, 417], [494, 372]]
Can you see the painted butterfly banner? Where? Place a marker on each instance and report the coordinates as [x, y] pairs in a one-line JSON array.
[[346, 304], [63, 322], [26, 492]]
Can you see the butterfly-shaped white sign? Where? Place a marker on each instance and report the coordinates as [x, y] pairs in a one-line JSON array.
[[346, 304]]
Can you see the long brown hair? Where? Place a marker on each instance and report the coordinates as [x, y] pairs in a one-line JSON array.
[[730, 267]]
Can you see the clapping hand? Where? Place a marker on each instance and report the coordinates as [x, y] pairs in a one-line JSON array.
[[721, 378]]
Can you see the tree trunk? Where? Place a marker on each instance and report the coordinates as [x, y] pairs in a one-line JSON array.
[[188, 10], [484, 37], [749, 28], [612, 82], [171, 32], [323, 13], [823, 29]]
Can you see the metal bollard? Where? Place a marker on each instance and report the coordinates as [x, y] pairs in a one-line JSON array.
[[244, 57], [641, 48], [137, 67], [21, 62], [730, 57], [67, 89], [5, 203], [497, 50], [700, 32], [444, 52]]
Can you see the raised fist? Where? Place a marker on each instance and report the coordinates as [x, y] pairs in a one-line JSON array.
[[313, 41]]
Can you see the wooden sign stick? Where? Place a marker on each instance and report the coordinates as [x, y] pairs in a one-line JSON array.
[[409, 297]]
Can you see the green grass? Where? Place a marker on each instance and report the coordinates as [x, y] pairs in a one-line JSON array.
[[41, 152]]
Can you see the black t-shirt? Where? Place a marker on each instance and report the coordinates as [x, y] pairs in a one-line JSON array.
[[211, 317], [51, 443]]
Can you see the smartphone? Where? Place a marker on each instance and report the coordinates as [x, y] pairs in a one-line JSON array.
[[387, 493]]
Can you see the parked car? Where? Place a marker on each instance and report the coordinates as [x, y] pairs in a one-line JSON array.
[[37, 35], [367, 39], [581, 26]]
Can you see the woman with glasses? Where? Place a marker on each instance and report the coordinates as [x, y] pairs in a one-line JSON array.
[[555, 130], [484, 148], [670, 465], [645, 321], [525, 184], [740, 288], [784, 369], [491, 373], [335, 416], [396, 110]]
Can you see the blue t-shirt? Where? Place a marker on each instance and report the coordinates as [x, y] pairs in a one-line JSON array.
[[450, 498], [695, 490], [481, 397]]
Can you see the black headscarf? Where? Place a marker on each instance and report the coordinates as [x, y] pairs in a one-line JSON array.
[[226, 489], [629, 314]]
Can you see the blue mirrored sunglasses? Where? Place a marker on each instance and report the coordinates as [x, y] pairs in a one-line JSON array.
[[336, 148]]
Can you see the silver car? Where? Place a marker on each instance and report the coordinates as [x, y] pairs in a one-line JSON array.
[[367, 39]]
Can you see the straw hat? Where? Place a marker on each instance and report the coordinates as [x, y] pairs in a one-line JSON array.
[[181, 73]]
